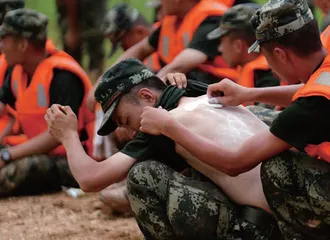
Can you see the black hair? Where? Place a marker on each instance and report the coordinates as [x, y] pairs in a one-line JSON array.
[[153, 83], [246, 34]]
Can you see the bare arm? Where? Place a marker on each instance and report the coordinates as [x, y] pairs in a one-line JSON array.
[[8, 129], [40, 144], [187, 60], [91, 175], [94, 176], [141, 50], [280, 96], [233, 94]]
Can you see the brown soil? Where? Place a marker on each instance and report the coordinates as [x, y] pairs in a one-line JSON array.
[[58, 216]]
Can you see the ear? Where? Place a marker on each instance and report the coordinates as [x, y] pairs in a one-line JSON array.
[[238, 45], [281, 55], [23, 44], [146, 95]]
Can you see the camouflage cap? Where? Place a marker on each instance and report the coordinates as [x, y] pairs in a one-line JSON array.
[[26, 23], [237, 17], [118, 21], [278, 18], [114, 83], [8, 5]]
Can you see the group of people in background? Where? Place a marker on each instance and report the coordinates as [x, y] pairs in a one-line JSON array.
[[160, 134]]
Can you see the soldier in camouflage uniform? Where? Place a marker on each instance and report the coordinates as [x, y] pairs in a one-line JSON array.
[[80, 22], [295, 183], [32, 167], [124, 26], [7, 5]]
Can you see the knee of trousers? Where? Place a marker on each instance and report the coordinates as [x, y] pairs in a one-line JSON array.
[[276, 172], [147, 174]]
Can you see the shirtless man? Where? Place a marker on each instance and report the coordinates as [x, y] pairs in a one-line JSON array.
[[196, 209]]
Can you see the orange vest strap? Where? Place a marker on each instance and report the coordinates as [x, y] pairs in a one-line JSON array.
[[246, 77], [318, 84], [173, 39], [152, 62]]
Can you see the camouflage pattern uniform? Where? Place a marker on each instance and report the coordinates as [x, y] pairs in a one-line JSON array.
[[37, 173], [117, 23], [7, 5], [90, 14], [297, 186], [168, 205], [264, 114]]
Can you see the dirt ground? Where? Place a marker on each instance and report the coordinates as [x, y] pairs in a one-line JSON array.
[[58, 216]]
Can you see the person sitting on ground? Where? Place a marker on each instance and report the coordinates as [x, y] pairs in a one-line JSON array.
[[165, 203], [40, 77], [8, 122]]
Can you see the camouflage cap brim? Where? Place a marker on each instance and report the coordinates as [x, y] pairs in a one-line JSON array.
[[108, 125], [217, 33]]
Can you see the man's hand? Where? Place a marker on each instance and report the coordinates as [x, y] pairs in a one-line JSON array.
[[176, 79], [72, 39], [154, 121], [62, 122], [227, 92]]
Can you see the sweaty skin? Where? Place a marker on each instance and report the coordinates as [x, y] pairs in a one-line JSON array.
[[229, 126]]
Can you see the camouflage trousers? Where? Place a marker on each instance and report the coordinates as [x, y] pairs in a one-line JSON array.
[[297, 188], [34, 175], [168, 205], [90, 18], [264, 114]]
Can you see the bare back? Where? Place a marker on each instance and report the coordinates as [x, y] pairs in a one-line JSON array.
[[230, 127]]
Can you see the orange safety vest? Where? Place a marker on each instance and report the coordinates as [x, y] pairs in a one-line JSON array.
[[246, 77], [325, 38], [318, 85], [14, 139], [152, 62], [173, 40], [228, 3], [32, 101]]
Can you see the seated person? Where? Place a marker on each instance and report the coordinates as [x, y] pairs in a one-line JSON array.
[[123, 92]]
